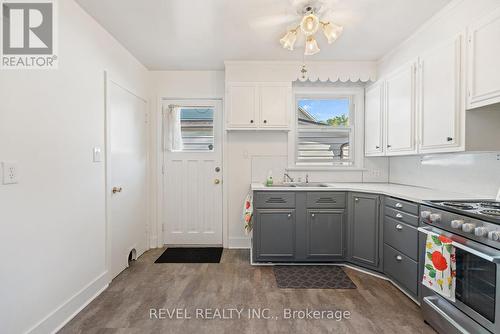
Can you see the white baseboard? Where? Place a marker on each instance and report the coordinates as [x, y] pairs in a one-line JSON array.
[[239, 243], [69, 309]]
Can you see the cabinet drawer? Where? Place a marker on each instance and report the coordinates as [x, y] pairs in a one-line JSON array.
[[401, 216], [326, 199], [401, 268], [401, 205], [274, 199], [401, 237]]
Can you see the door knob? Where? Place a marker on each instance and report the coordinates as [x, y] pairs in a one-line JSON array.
[[216, 181], [117, 190]]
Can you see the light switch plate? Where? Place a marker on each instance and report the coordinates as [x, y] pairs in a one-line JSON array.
[[97, 156], [9, 172]]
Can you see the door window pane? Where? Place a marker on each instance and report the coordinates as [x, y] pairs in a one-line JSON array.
[[197, 129]]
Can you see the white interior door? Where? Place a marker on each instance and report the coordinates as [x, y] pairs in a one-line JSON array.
[[193, 175], [127, 176]]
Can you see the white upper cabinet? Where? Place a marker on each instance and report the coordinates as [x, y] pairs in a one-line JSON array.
[[242, 105], [400, 111], [258, 105], [374, 120], [483, 70], [440, 99], [275, 102]]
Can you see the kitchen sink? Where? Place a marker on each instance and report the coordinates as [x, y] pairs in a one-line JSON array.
[[300, 185]]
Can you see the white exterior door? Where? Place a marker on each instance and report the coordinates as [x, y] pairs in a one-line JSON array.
[[193, 176], [127, 176]]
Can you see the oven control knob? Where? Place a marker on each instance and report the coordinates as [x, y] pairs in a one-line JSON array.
[[480, 231], [457, 223], [425, 214], [494, 235], [435, 217], [468, 228]]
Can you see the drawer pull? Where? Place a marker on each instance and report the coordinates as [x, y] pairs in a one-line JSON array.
[[399, 258], [289, 215], [399, 216], [399, 227], [312, 215], [398, 205]]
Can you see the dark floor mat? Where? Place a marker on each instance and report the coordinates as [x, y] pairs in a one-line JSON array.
[[191, 255], [312, 277]]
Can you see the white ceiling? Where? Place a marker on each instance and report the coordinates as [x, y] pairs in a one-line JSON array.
[[201, 34]]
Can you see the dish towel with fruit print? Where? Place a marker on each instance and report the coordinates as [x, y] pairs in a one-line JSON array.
[[248, 212], [440, 266]]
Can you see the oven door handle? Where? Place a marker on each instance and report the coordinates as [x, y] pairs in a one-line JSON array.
[[474, 248]]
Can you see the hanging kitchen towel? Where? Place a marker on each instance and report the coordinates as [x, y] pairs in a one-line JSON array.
[[248, 212], [440, 266]]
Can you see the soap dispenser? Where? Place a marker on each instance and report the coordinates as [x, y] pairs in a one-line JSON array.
[[269, 181]]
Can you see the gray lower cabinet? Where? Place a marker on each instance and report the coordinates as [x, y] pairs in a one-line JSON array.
[[325, 234], [364, 230], [274, 235]]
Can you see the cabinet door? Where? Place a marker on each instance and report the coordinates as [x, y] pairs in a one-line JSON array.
[[374, 120], [325, 234], [274, 234], [364, 229], [242, 105], [400, 111], [441, 106], [484, 61], [275, 101]]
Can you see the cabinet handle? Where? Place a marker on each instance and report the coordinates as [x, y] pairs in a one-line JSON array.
[[377, 147], [251, 121], [399, 258], [398, 205], [312, 215], [399, 227], [399, 216], [449, 139], [265, 121], [356, 199], [289, 215], [389, 146]]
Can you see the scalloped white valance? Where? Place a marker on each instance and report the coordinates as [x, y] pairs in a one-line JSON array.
[[268, 71]]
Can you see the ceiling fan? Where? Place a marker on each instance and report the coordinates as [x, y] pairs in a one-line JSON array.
[[308, 16]]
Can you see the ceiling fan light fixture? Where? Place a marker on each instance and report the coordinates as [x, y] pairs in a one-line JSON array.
[[331, 31], [288, 41], [309, 24], [311, 46]]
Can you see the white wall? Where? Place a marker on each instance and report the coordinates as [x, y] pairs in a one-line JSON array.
[[53, 225], [474, 173]]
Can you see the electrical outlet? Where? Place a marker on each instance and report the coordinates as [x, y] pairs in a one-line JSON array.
[[9, 172]]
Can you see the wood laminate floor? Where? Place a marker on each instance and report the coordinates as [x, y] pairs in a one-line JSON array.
[[375, 306]]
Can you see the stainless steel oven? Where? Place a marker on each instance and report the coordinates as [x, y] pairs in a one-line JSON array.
[[477, 292]]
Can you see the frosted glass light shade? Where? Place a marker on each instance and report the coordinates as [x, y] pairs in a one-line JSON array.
[[311, 46], [332, 31], [288, 41], [309, 24]]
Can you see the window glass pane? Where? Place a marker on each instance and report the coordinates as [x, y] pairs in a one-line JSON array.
[[324, 112], [197, 129], [324, 132]]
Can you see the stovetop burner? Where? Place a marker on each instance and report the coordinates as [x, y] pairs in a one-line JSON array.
[[485, 209], [458, 205]]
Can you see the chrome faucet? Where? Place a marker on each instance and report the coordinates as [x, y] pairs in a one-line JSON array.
[[286, 176]]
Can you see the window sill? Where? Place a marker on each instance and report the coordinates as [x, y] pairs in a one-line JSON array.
[[326, 168]]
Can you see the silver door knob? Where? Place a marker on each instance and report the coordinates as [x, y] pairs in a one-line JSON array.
[[399, 227], [117, 190]]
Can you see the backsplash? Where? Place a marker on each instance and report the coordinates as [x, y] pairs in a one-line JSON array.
[[476, 173]]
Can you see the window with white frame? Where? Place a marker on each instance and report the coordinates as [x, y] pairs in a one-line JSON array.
[[324, 131]]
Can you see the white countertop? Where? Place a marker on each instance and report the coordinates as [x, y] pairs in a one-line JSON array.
[[411, 193]]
